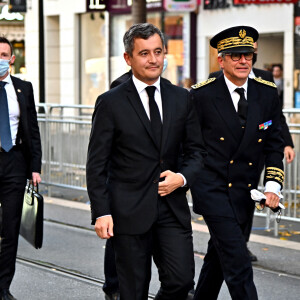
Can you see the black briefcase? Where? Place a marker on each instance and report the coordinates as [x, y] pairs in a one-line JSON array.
[[32, 217]]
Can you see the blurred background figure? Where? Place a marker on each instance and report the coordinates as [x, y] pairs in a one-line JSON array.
[[187, 83], [278, 79]]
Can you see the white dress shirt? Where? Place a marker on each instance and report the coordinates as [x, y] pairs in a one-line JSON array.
[[13, 108], [141, 89]]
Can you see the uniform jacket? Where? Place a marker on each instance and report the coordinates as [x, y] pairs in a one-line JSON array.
[[28, 135], [124, 163], [266, 75], [231, 168]]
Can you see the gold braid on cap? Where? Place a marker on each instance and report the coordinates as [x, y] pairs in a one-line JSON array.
[[233, 42]]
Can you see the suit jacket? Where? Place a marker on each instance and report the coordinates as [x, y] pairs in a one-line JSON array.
[[232, 167], [124, 162], [121, 79], [266, 75], [28, 135]]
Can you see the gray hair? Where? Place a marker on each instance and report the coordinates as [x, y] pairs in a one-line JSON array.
[[141, 30]]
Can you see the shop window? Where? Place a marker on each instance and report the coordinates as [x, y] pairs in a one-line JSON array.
[[19, 52], [173, 26], [93, 57]]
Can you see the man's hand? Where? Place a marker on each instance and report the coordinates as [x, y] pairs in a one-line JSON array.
[[36, 178], [272, 200], [289, 154], [104, 227], [172, 182]]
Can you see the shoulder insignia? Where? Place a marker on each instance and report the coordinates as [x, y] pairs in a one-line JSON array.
[[200, 84], [272, 84]]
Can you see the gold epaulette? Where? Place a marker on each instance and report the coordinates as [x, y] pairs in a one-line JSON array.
[[272, 84], [275, 174], [197, 85]]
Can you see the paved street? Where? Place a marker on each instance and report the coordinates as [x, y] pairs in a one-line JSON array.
[[70, 264]]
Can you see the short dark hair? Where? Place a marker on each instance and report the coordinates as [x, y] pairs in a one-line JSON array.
[[140, 30], [277, 65], [4, 40]]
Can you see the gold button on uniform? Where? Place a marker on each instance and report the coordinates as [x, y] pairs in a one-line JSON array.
[[230, 184], [231, 161], [222, 139], [249, 185], [260, 140], [250, 163]]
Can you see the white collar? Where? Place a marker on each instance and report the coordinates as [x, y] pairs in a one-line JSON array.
[[7, 79], [231, 86], [140, 85]]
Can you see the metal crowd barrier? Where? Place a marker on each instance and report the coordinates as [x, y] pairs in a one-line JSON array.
[[65, 131]]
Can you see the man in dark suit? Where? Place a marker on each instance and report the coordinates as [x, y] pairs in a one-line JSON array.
[[239, 119], [134, 179], [20, 159], [111, 284]]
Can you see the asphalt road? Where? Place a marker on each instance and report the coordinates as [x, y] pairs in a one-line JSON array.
[[70, 264]]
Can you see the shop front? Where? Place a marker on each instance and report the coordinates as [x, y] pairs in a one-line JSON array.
[[102, 30], [12, 27]]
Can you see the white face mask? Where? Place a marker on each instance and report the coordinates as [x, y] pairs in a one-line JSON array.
[[165, 64], [4, 66]]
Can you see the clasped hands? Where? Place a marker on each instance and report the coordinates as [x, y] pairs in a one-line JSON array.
[[104, 225]]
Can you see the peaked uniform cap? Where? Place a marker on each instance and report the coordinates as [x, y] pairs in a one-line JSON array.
[[238, 39]]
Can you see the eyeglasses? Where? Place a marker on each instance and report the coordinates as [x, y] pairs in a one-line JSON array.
[[238, 56]]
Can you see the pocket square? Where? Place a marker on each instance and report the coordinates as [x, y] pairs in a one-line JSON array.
[[265, 125]]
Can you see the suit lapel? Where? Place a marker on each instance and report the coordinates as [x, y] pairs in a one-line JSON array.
[[226, 109], [21, 100], [167, 96], [253, 116], [137, 104]]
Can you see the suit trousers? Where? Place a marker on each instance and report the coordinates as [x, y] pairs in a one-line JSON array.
[[226, 259], [12, 187], [170, 245], [111, 284]]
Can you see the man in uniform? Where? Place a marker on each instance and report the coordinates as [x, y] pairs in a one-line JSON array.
[[289, 152], [240, 119]]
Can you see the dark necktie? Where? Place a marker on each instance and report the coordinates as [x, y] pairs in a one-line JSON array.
[[242, 106], [5, 134], [154, 114]]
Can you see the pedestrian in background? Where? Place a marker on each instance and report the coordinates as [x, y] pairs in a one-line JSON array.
[[278, 79], [134, 181], [20, 159], [239, 118]]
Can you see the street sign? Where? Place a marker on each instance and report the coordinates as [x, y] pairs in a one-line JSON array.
[[237, 2], [180, 5]]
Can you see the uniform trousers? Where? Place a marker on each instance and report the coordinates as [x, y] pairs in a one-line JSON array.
[[170, 245], [226, 259], [12, 187]]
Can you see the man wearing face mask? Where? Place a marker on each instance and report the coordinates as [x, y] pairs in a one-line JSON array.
[[20, 159]]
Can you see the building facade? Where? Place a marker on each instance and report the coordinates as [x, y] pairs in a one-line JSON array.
[[84, 48]]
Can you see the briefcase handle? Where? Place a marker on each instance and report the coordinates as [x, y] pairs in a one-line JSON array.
[[30, 188], [33, 188]]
